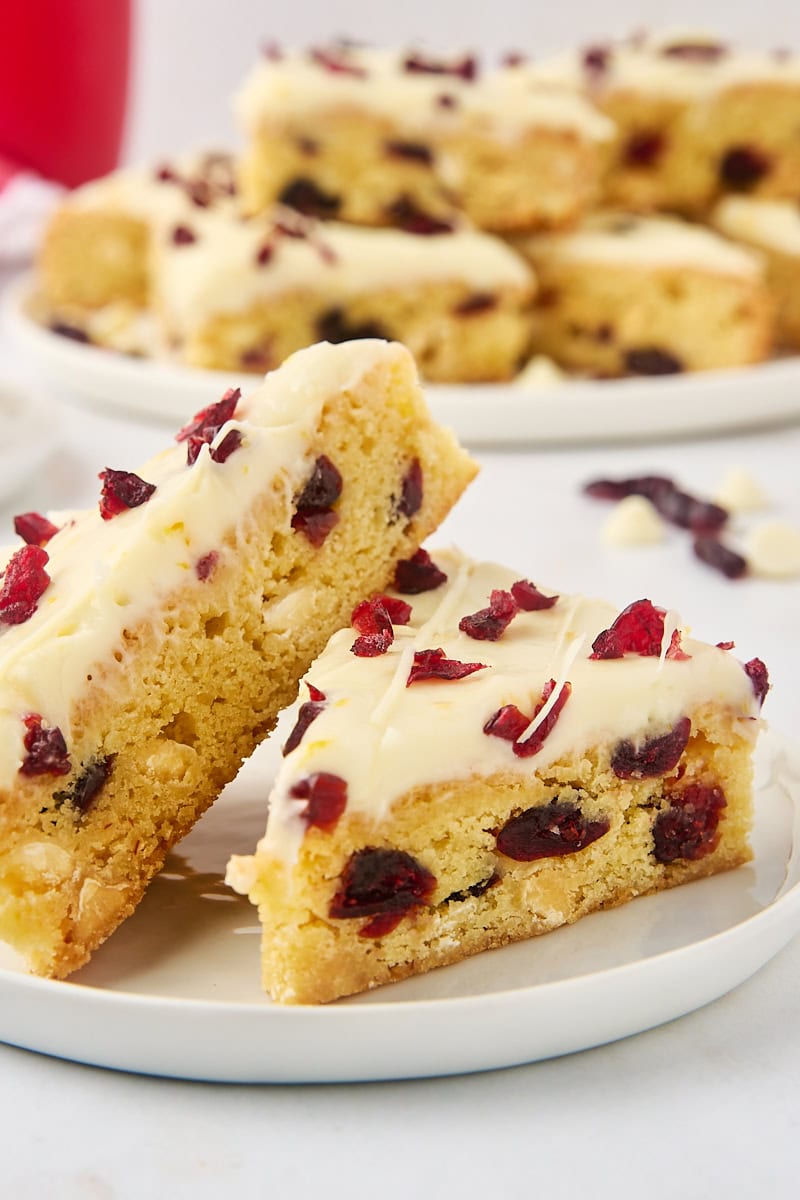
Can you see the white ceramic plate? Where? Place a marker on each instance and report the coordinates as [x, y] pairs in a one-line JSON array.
[[175, 991], [481, 414], [29, 435]]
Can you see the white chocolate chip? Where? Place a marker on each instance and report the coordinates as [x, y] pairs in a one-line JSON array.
[[540, 372], [773, 550], [634, 522], [740, 492]]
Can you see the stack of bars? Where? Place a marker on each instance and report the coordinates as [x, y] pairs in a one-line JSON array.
[[578, 208]]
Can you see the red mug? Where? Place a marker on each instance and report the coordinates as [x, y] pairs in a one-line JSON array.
[[64, 68]]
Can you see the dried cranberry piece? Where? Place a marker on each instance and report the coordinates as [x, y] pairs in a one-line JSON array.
[[122, 490], [307, 146], [333, 326], [406, 214], [432, 664], [617, 489], [208, 422], [47, 750], [548, 831], [326, 799], [475, 889], [759, 677], [596, 60], [24, 583], [480, 302], [699, 52], [716, 554], [529, 598], [272, 51], [644, 148], [221, 453], [256, 359], [652, 758], [399, 612], [411, 151], [533, 744], [377, 880], [264, 254], [742, 167], [513, 58], [308, 712], [73, 332], [314, 515], [34, 529], [374, 625], [89, 783], [207, 565], [447, 100], [465, 68], [679, 507], [507, 723], [489, 624], [166, 174], [381, 924], [411, 492], [652, 360], [639, 629], [182, 235], [726, 645], [336, 62], [417, 574], [306, 197], [689, 828]]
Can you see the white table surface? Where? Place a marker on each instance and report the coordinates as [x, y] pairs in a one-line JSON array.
[[706, 1106]]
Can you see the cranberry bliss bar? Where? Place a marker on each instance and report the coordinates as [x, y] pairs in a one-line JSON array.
[[478, 761]]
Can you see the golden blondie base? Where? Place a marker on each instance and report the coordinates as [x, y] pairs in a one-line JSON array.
[[189, 695], [92, 258], [610, 320], [482, 898], [454, 334]]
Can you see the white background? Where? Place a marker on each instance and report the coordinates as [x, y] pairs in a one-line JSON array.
[[191, 54]]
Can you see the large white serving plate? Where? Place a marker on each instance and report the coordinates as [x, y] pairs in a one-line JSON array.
[[175, 991], [481, 414]]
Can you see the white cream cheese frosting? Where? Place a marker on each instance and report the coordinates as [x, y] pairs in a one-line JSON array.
[[161, 193], [221, 271], [673, 65], [771, 224], [297, 83], [624, 240], [385, 738], [107, 575]]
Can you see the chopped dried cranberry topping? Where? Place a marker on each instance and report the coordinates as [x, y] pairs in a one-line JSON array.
[[529, 598], [73, 332], [374, 626], [465, 68], [412, 151], [699, 52], [529, 746], [332, 326], [306, 197], [166, 174], [272, 51], [88, 784], [480, 302], [122, 490], [399, 612], [47, 750], [411, 493], [34, 529], [182, 235], [406, 214], [689, 828], [508, 723], [447, 100], [726, 645], [759, 677], [24, 583], [432, 664], [221, 453], [644, 148], [336, 61], [652, 758], [596, 60], [377, 880], [548, 831], [639, 629], [513, 58], [257, 358], [417, 574], [651, 360], [207, 565], [742, 167], [308, 712], [211, 418], [679, 507], [314, 515], [489, 624], [716, 554], [381, 924], [264, 254], [326, 799]]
